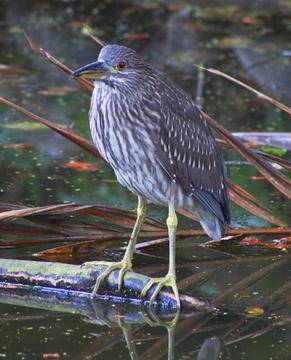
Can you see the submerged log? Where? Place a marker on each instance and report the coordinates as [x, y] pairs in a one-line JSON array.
[[276, 139], [80, 280]]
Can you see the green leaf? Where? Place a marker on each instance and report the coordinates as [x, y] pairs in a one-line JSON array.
[[273, 150]]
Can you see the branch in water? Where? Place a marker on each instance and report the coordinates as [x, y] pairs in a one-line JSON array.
[[81, 278]]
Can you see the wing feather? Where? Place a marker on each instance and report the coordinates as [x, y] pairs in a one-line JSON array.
[[187, 151]]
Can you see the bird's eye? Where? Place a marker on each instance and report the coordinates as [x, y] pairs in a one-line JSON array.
[[121, 65]]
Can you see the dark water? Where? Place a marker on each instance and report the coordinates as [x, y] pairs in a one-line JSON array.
[[245, 39]]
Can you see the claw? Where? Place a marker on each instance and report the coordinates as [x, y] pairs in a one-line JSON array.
[[168, 281], [123, 267]]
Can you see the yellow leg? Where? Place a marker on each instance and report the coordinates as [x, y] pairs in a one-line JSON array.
[[126, 263], [170, 279]]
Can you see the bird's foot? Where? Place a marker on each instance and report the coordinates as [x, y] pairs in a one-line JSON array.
[[123, 266], [168, 281]]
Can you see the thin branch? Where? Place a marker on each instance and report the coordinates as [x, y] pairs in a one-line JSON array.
[[278, 180], [79, 140], [259, 94], [95, 38], [245, 200], [86, 84]]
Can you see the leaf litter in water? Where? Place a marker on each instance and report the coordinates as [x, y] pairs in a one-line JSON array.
[[254, 311], [256, 178], [10, 70], [81, 166], [120, 217], [24, 125], [57, 91], [55, 224], [137, 36], [274, 150], [18, 146], [280, 244]]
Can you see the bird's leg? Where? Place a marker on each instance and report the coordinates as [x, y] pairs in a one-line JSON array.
[[125, 264], [170, 279]]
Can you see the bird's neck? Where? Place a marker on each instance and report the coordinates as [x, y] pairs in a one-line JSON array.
[[116, 93]]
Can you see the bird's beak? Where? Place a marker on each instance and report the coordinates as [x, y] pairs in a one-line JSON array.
[[96, 70]]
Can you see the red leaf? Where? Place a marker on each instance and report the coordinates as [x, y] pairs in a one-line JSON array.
[[278, 246], [77, 164], [86, 168], [251, 241], [46, 356], [247, 20], [81, 166]]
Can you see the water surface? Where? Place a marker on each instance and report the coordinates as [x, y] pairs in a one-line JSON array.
[[249, 41]]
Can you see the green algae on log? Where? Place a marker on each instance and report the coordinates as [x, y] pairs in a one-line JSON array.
[[72, 279]]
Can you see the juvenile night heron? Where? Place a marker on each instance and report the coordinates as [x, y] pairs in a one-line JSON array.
[[156, 140]]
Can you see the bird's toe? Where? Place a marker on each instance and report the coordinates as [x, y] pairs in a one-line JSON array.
[[122, 266], [168, 281]]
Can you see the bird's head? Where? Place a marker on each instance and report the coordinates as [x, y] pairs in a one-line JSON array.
[[117, 66]]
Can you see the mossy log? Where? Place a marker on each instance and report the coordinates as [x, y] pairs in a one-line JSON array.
[[74, 280]]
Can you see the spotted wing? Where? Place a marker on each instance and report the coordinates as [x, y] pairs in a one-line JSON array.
[[187, 151]]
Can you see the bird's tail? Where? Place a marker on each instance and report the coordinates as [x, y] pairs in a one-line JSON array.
[[213, 226]]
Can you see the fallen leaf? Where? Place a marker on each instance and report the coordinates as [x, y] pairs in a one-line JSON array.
[[24, 125], [273, 150], [228, 41], [251, 241], [20, 146], [77, 164], [47, 356], [15, 30], [87, 168], [247, 20], [257, 178], [80, 166], [254, 311], [283, 244], [283, 247], [57, 91], [137, 36], [11, 70], [75, 24]]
